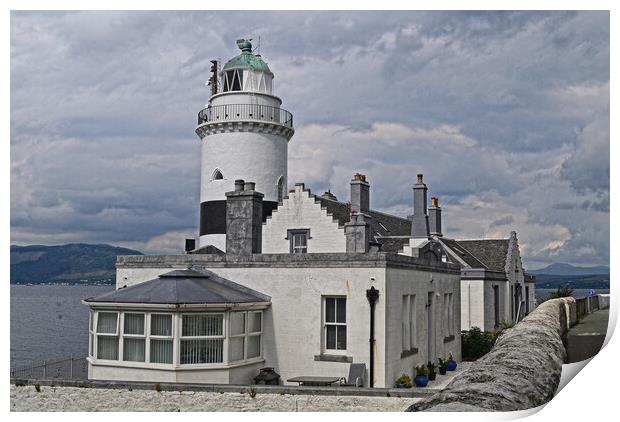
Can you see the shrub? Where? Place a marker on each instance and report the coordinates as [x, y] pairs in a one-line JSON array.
[[37, 387], [475, 343], [421, 370], [252, 392], [405, 381], [158, 388]]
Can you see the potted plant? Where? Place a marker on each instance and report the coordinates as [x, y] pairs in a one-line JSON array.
[[443, 365], [421, 376], [432, 371], [451, 363], [404, 381]]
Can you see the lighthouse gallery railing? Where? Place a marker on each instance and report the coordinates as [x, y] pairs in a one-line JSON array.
[[233, 112]]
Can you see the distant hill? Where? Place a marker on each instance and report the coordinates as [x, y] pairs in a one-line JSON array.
[[546, 281], [72, 263], [570, 270]]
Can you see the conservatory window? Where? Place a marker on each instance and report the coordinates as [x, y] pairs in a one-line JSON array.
[[134, 340], [246, 329], [202, 338], [161, 338], [107, 335]]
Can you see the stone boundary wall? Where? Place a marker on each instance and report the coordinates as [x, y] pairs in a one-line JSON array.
[[520, 372], [47, 398]]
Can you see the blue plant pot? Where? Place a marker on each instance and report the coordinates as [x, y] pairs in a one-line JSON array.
[[451, 365], [421, 380]]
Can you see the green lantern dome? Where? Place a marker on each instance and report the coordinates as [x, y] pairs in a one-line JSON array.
[[247, 60]]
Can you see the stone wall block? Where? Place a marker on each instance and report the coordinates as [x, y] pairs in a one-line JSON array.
[[522, 370]]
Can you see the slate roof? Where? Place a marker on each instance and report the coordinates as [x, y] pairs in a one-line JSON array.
[[381, 224], [463, 253], [184, 287], [482, 253], [491, 252]]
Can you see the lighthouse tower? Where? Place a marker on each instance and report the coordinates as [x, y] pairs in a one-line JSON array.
[[244, 135]]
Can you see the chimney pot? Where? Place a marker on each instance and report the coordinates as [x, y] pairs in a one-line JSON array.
[[249, 186], [239, 183], [434, 201], [420, 178]]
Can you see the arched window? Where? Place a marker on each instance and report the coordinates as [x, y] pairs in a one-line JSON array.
[[280, 187], [217, 175]]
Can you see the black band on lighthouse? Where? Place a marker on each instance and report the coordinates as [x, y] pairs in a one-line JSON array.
[[213, 216]]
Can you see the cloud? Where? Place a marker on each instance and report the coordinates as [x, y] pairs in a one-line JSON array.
[[506, 114]]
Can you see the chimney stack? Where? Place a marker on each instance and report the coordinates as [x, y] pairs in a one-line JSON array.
[[360, 194], [357, 233], [244, 218], [434, 217], [419, 225]]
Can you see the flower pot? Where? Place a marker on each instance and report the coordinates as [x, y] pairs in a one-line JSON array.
[[399, 385], [451, 365], [421, 380], [432, 376], [442, 370]]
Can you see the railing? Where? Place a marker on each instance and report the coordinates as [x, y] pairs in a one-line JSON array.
[[233, 112], [63, 369], [587, 305]]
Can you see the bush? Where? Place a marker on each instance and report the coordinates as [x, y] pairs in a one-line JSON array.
[[405, 381], [476, 343], [560, 292]]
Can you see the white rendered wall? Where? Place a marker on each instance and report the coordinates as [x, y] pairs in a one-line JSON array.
[[419, 283], [253, 157], [300, 211], [292, 333], [472, 300], [489, 303]]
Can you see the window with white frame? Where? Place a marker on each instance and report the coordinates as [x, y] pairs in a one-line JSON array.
[[245, 335], [160, 337], [91, 333], [107, 335], [299, 240], [335, 323], [202, 338], [409, 322], [134, 337]]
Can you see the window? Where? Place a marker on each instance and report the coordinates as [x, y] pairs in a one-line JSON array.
[[161, 338], [409, 323], [202, 338], [134, 339], [91, 332], [448, 314], [299, 240], [335, 325], [245, 335], [107, 335], [217, 175]]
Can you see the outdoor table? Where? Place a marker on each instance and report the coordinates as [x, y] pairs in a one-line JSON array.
[[314, 381]]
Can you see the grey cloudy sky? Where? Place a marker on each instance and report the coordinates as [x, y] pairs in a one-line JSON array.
[[506, 114]]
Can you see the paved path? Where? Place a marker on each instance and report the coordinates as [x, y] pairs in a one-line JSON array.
[[585, 339]]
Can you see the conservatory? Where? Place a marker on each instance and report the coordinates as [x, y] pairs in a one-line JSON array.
[[184, 326]]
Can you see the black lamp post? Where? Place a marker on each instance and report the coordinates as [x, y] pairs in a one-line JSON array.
[[372, 295]]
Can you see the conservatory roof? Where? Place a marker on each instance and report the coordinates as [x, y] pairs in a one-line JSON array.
[[183, 287]]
